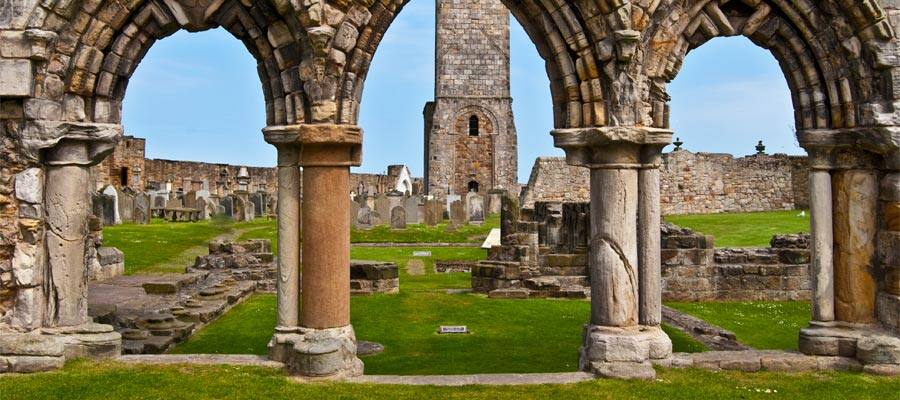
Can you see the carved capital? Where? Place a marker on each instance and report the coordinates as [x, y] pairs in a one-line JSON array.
[[321, 144], [70, 143], [618, 147]]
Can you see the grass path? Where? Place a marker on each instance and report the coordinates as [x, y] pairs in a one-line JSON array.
[[753, 229], [771, 325], [110, 380]]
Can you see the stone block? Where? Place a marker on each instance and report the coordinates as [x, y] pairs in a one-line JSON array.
[[30, 344], [624, 370], [29, 185], [16, 78], [42, 109], [27, 364], [878, 349]]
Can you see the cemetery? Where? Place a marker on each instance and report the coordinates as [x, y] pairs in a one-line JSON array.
[[620, 270]]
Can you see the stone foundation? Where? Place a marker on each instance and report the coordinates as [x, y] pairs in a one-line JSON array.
[[623, 352], [317, 353], [368, 277], [545, 255], [871, 345]]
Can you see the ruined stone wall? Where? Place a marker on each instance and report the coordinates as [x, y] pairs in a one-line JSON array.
[[691, 183], [124, 167], [472, 80], [187, 174], [379, 183], [544, 254]]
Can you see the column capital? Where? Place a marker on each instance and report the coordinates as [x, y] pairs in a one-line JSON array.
[[616, 147], [321, 144], [71, 143]]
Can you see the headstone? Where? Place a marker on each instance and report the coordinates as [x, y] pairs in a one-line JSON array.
[[370, 201], [354, 212], [125, 206], [457, 213], [382, 207], [258, 203], [364, 217], [434, 212], [398, 218], [141, 208], [411, 204], [159, 200], [450, 199], [111, 206], [241, 210], [475, 208], [174, 202], [495, 201], [395, 199], [227, 204], [493, 239], [190, 200]]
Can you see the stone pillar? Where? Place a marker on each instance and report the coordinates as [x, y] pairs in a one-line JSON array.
[[624, 333], [822, 246], [324, 343], [649, 241], [288, 284], [855, 204]]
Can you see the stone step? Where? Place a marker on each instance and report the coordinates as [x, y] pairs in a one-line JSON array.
[[171, 284], [556, 282]]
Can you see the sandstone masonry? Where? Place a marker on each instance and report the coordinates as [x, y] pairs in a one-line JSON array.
[[691, 183]]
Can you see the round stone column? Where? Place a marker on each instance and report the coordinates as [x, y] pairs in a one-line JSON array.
[[324, 343], [624, 333]]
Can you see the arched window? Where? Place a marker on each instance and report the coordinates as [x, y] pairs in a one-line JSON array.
[[473, 186], [473, 125], [123, 176]]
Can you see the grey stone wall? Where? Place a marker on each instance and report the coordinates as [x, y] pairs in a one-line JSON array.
[[544, 254], [691, 183], [472, 80]]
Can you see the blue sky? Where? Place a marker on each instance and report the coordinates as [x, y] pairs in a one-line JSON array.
[[196, 96]]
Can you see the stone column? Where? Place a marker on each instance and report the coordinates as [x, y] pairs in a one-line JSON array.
[[624, 186], [822, 246], [649, 241], [855, 204], [288, 284], [324, 344]]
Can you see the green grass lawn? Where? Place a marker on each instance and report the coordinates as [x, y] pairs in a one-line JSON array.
[[760, 324], [414, 233], [753, 229], [110, 380], [167, 247]]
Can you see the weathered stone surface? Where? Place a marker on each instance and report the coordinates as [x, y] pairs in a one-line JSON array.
[[855, 194], [30, 185], [16, 78], [878, 350]]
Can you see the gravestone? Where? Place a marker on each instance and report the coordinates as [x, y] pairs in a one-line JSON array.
[[227, 204], [434, 212], [382, 207], [242, 212], [258, 203], [174, 202], [141, 212], [354, 212], [395, 199], [475, 208], [494, 201], [111, 206], [364, 217], [125, 205], [190, 200], [457, 213], [159, 200], [450, 199], [398, 218], [411, 204]]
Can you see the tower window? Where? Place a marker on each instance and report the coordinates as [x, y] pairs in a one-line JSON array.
[[473, 125], [473, 186]]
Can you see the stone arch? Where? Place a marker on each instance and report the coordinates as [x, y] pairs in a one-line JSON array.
[[487, 122], [101, 43], [821, 49]]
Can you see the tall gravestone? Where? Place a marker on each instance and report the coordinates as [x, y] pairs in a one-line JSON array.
[[494, 201], [141, 212], [111, 206], [383, 209], [398, 218], [457, 213], [434, 212], [125, 205], [354, 211], [411, 204], [227, 204], [190, 200], [475, 208], [364, 217]]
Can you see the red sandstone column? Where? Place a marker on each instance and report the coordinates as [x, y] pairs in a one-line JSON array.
[[855, 205], [328, 152]]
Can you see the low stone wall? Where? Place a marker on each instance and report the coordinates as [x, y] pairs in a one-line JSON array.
[[544, 254], [691, 183], [454, 266], [368, 277], [692, 270]]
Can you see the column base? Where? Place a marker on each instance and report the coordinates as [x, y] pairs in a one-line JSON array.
[[870, 344], [624, 353], [317, 353], [48, 348]]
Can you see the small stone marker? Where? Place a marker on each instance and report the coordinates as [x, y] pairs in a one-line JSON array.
[[415, 267], [453, 330], [421, 254]]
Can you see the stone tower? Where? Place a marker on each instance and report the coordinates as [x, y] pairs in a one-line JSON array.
[[470, 137]]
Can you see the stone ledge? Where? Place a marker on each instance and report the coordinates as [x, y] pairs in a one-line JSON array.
[[767, 360], [201, 359]]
